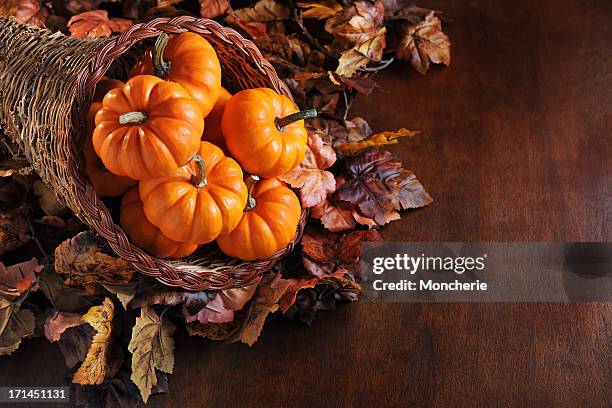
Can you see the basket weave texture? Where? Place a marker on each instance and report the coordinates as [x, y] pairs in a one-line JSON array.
[[46, 84]]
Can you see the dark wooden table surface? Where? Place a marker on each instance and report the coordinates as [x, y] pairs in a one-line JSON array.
[[516, 146]]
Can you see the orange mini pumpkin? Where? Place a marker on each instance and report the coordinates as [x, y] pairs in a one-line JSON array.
[[268, 224], [212, 131], [104, 182], [146, 235], [199, 201], [264, 131], [189, 60], [148, 128]]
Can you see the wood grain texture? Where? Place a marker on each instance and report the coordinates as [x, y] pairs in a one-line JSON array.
[[515, 147]]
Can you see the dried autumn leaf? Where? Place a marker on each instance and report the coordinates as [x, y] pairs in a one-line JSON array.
[[213, 8], [213, 331], [324, 253], [310, 176], [152, 348], [362, 54], [335, 217], [58, 322], [86, 266], [15, 324], [116, 392], [356, 24], [74, 344], [125, 293], [16, 279], [423, 43], [380, 187], [96, 23], [14, 228], [320, 10], [264, 11], [93, 369], [269, 292], [62, 297], [378, 139], [222, 307]]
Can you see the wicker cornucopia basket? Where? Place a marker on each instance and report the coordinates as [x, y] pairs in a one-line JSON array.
[[46, 84]]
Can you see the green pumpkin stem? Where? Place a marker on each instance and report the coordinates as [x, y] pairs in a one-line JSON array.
[[133, 118], [199, 179], [161, 68], [281, 123], [251, 202]]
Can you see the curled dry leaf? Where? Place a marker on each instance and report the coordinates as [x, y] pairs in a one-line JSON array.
[[362, 54], [264, 11], [324, 253], [380, 187], [213, 8], [61, 297], [93, 369], [58, 322], [321, 9], [86, 266], [423, 43], [74, 344], [379, 139], [152, 348], [125, 293], [96, 23], [15, 324], [310, 176], [222, 307], [269, 293], [356, 24], [16, 279]]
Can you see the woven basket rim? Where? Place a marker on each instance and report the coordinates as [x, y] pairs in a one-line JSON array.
[[174, 273]]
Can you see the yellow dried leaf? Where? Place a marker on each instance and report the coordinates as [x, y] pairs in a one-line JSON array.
[[320, 10], [81, 261], [93, 369], [152, 347], [378, 139]]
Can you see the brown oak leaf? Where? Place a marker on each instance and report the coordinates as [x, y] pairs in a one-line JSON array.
[[93, 369], [96, 23], [423, 43], [86, 266], [16, 279], [152, 349], [213, 8], [324, 252], [380, 187], [310, 176]]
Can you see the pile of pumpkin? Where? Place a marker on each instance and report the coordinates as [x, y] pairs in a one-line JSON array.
[[174, 143]]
